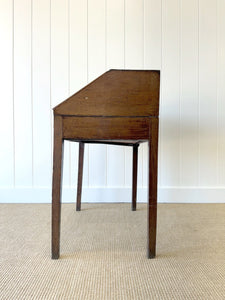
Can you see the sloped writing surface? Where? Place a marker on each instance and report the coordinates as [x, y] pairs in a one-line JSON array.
[[116, 93]]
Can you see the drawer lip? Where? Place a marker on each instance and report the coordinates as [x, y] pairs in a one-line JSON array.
[[106, 128]]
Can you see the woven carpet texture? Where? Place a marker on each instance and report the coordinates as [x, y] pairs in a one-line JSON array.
[[103, 253]]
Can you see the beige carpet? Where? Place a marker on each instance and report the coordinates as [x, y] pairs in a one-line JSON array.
[[103, 253]]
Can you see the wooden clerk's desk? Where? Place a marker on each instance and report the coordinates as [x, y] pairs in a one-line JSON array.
[[120, 107]]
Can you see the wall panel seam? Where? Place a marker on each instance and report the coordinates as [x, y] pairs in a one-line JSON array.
[[13, 95], [87, 147], [217, 100], [70, 180], [198, 93], [32, 94], [160, 103], [106, 148], [124, 52], [180, 85], [50, 76]]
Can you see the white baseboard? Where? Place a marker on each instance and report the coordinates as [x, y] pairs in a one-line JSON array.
[[115, 194]]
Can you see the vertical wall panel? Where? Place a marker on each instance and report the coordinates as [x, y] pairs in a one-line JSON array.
[[152, 57], [128, 166], [42, 163], [134, 35], [115, 165], [114, 34], [60, 67], [134, 59], [208, 92], [59, 51], [115, 59], [145, 166], [96, 66], [78, 71], [221, 91], [6, 79], [189, 93], [78, 44], [22, 93], [152, 34], [96, 38], [141, 162], [170, 106]]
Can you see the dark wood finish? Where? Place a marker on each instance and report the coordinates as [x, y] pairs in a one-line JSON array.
[[116, 93], [80, 175], [56, 185], [134, 178], [120, 107], [105, 128], [152, 190]]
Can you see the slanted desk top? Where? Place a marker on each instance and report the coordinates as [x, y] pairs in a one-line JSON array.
[[116, 93]]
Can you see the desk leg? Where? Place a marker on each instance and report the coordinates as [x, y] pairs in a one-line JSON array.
[[57, 185], [80, 174], [152, 187]]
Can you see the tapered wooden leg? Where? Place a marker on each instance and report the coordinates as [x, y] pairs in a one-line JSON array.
[[57, 185], [80, 175], [134, 181], [152, 187]]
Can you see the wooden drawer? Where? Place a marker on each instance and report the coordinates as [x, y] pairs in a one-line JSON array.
[[106, 128]]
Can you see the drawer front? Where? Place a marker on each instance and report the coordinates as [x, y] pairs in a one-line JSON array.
[[106, 128]]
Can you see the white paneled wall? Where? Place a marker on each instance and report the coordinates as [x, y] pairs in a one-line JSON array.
[[7, 128], [52, 48], [41, 94]]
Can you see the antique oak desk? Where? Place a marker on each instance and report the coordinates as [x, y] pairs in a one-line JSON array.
[[120, 107]]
